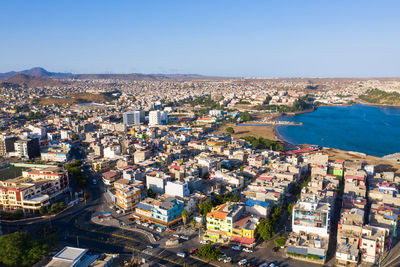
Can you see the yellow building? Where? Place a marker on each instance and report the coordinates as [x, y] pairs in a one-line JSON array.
[[228, 223], [127, 197]]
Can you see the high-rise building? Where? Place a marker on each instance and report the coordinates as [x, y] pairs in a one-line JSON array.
[[154, 117], [131, 118], [27, 148], [7, 144], [157, 117]]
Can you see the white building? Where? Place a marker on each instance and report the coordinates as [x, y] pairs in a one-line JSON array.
[[177, 189], [131, 118], [157, 117], [112, 152], [311, 216]]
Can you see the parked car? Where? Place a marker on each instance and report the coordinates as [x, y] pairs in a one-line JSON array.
[[272, 265], [223, 246], [222, 257], [203, 242], [145, 224], [151, 226], [248, 250], [94, 181], [242, 262], [237, 248], [275, 249], [138, 222], [193, 251], [159, 229], [227, 259], [184, 237], [149, 246], [181, 254], [119, 211], [176, 235]]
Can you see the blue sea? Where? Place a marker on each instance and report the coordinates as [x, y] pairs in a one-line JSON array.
[[368, 129]]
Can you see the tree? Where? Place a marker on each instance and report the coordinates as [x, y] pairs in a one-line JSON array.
[[230, 130], [210, 252], [280, 242], [245, 116], [42, 210], [75, 137], [150, 193], [265, 229], [185, 216], [20, 249], [193, 223]]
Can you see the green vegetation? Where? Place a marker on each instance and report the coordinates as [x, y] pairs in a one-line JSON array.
[[210, 252], [17, 215], [245, 116], [150, 193], [75, 171], [243, 102], [185, 216], [376, 96], [193, 223], [205, 101], [57, 207], [221, 199], [308, 256], [230, 130], [205, 207], [262, 143], [280, 242], [75, 137], [20, 249], [34, 116], [300, 104], [265, 229]]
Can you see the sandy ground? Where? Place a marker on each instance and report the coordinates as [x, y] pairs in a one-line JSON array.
[[267, 132]]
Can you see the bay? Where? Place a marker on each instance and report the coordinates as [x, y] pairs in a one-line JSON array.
[[368, 129]]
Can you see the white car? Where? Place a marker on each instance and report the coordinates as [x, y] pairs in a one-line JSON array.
[[237, 248], [184, 237], [222, 257], [203, 242], [248, 250], [242, 262], [151, 226], [176, 235], [227, 259], [138, 222], [181, 254], [145, 224], [159, 229]]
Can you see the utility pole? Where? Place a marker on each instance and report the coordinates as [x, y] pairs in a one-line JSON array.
[[77, 241]]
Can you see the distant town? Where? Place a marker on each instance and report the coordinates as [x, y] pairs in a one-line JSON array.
[[186, 170]]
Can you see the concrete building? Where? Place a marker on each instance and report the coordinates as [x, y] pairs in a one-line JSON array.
[[311, 216], [177, 189], [27, 148], [131, 118], [127, 197]]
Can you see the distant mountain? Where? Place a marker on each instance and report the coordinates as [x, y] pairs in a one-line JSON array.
[[42, 73], [23, 80], [35, 72]]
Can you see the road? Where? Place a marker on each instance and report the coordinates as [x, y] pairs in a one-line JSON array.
[[75, 228]]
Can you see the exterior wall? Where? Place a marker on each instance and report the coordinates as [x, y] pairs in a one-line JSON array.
[[157, 184], [177, 189]]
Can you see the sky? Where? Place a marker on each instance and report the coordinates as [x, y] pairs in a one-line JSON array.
[[280, 38]]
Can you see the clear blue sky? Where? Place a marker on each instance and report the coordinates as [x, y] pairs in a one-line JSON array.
[[233, 38]]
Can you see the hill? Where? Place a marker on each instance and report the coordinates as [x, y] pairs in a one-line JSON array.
[[35, 72], [376, 96], [79, 98], [23, 80]]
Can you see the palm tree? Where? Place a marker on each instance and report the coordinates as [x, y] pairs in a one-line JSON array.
[[184, 216]]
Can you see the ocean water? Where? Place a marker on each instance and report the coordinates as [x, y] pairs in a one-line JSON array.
[[367, 129]]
